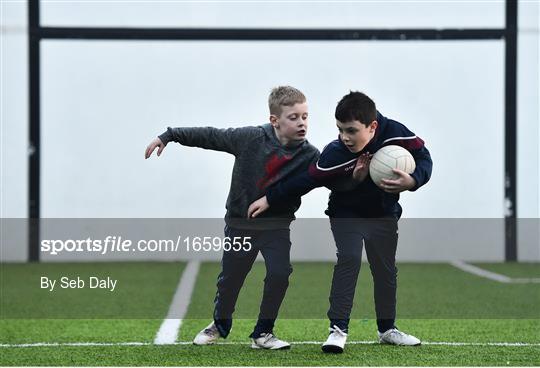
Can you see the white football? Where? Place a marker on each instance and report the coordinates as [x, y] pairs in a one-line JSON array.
[[388, 158]]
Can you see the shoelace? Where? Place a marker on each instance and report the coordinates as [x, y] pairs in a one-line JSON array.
[[397, 332], [269, 337], [336, 329]]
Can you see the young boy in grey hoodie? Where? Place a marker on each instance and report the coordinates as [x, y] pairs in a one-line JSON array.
[[264, 155]]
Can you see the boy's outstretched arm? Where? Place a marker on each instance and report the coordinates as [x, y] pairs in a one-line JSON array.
[[294, 187], [322, 172], [231, 140]]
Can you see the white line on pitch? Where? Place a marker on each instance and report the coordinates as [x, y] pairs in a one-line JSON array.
[[492, 275], [168, 332], [373, 342]]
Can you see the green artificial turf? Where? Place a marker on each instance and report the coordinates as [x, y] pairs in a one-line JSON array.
[[436, 302], [424, 291], [143, 290]]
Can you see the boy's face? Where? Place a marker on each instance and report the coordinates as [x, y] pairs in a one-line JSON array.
[[291, 125], [356, 135]]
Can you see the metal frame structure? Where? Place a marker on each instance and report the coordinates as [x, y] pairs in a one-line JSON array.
[[38, 33]]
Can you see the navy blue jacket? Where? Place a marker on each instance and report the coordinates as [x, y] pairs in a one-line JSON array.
[[334, 168]]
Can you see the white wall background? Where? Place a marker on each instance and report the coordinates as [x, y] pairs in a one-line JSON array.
[[276, 14], [102, 101]]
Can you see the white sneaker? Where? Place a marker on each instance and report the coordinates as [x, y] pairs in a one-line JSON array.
[[269, 341], [208, 336], [396, 337], [336, 341]]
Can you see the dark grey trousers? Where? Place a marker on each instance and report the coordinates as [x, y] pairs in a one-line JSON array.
[[275, 246], [379, 237]]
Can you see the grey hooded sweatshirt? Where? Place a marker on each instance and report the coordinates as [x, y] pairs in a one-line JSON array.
[[260, 162]]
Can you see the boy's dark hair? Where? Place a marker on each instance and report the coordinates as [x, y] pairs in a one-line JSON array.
[[356, 106]]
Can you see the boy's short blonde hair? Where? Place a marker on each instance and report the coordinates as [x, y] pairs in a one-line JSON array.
[[284, 96]]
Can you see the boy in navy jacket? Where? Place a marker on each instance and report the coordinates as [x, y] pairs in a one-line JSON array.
[[361, 214]]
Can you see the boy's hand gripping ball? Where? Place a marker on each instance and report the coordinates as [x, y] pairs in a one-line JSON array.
[[388, 158]]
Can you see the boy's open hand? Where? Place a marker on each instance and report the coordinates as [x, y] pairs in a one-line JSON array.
[[401, 184], [152, 146], [258, 207], [361, 170]]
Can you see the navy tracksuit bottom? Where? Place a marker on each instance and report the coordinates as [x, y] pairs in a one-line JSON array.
[[379, 237], [274, 246]]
